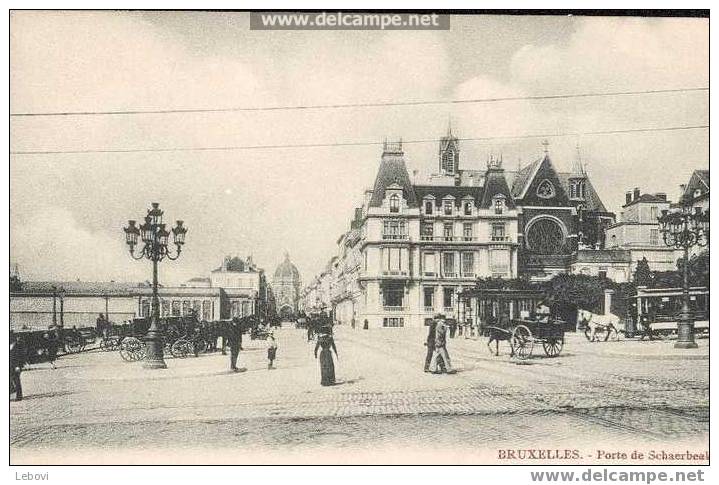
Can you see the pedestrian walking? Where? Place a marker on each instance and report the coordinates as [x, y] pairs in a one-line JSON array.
[[235, 341], [366, 324], [440, 347], [271, 350], [429, 343], [327, 365], [17, 361]]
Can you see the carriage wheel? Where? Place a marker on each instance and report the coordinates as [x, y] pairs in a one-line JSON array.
[[553, 346], [522, 342], [611, 334], [179, 349]]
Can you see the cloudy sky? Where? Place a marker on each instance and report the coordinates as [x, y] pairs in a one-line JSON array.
[[67, 211]]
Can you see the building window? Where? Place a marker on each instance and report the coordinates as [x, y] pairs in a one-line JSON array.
[[448, 161], [467, 231], [448, 232], [197, 308], [145, 310], [428, 207], [393, 296], [468, 265], [448, 298], [654, 237], [654, 213], [429, 264], [448, 269], [428, 298], [235, 312], [186, 307], [175, 308], [165, 306], [467, 207], [391, 260], [394, 203], [394, 229], [499, 262], [393, 322], [498, 233], [427, 231], [207, 310], [545, 190], [697, 193], [447, 207], [498, 206]]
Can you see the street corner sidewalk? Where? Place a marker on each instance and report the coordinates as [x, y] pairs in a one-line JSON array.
[[647, 349]]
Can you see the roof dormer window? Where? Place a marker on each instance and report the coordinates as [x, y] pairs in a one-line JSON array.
[[394, 203]]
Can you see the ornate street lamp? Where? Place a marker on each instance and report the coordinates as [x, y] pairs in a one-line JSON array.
[[685, 229], [154, 238]]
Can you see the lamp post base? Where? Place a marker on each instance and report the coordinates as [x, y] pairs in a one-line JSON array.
[[154, 357], [154, 364], [685, 335]]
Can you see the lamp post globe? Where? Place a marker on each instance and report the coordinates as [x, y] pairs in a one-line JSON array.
[[155, 248]]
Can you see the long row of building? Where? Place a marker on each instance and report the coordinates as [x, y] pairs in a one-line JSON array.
[[414, 245], [235, 289]]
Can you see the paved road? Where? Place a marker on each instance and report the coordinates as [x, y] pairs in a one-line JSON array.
[[590, 394]]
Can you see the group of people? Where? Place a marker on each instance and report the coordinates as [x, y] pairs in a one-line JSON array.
[[437, 360], [233, 336]]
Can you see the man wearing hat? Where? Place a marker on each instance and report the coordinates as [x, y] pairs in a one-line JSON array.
[[440, 346]]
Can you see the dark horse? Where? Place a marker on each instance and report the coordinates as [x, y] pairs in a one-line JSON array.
[[496, 335], [497, 332]]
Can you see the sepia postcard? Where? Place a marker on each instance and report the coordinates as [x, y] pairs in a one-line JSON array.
[[360, 237]]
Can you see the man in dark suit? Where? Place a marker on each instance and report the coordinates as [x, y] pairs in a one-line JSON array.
[[235, 341], [17, 361], [429, 343]]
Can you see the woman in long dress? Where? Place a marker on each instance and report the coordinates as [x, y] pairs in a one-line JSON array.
[[327, 365]]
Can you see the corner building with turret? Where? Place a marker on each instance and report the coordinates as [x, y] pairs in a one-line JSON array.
[[414, 245]]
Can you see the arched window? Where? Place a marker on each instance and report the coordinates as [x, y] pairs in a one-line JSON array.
[[498, 205], [545, 236], [448, 161], [394, 203]]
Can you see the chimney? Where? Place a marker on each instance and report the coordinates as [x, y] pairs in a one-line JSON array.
[[628, 198], [661, 196], [636, 193]]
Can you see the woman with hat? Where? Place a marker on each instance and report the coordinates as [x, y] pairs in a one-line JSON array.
[[327, 365]]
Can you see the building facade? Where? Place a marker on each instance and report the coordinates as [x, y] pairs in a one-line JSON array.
[[639, 233], [286, 284], [235, 289], [414, 245]]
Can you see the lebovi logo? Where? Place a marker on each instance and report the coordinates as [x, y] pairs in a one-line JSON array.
[[32, 476]]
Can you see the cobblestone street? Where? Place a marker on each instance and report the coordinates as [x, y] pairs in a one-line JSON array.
[[625, 394]]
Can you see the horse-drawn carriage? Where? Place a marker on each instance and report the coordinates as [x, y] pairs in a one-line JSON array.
[[523, 333]]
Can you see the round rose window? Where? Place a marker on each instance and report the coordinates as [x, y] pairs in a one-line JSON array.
[[545, 236]]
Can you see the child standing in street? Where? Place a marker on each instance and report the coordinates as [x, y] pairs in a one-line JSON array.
[[271, 350]]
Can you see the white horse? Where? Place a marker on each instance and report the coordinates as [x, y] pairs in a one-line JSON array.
[[595, 321]]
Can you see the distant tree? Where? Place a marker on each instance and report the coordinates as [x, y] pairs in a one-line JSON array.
[[643, 274]]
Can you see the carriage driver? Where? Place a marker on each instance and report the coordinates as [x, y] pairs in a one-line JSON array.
[[543, 312]]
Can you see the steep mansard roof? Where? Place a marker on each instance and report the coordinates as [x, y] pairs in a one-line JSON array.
[[392, 170]]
